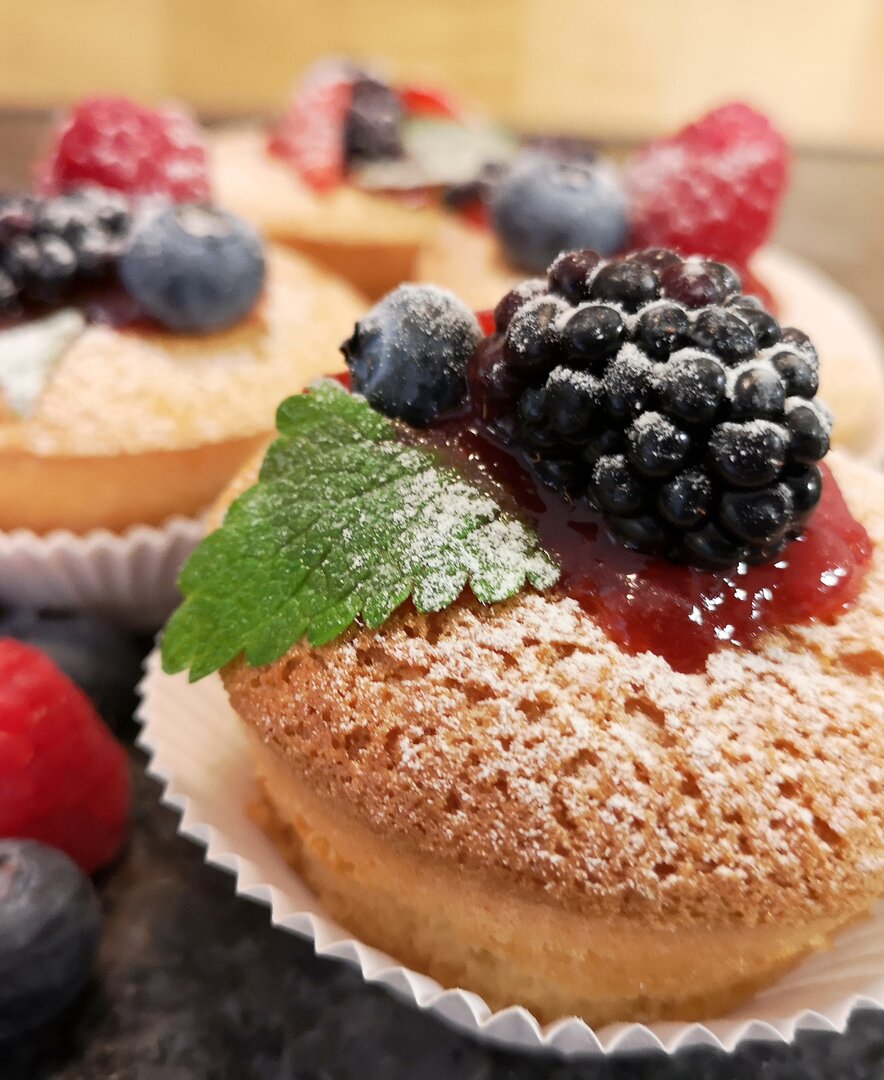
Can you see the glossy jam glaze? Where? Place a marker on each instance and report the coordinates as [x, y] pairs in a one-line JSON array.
[[648, 604]]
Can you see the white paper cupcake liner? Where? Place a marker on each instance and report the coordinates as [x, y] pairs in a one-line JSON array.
[[198, 751], [129, 577]]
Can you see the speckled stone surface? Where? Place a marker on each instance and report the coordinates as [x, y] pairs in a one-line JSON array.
[[194, 984]]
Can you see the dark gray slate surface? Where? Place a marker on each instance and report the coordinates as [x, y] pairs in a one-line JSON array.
[[194, 984]]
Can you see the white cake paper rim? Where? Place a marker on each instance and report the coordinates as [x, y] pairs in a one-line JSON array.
[[197, 751], [130, 576]]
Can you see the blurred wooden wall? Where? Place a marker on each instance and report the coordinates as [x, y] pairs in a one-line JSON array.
[[622, 67]]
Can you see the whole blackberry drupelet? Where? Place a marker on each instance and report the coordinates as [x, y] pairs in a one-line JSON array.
[[48, 246], [652, 389]]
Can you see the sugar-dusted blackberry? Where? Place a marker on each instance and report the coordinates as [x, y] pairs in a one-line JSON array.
[[514, 299], [50, 245], [809, 428], [756, 390], [656, 447], [569, 275], [800, 372], [532, 343], [748, 455], [630, 284], [373, 126], [691, 387], [494, 384], [574, 402], [724, 333], [662, 329], [617, 488], [760, 517], [699, 283], [668, 402], [686, 500], [591, 335]]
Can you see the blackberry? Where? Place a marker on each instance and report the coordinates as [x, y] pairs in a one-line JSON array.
[[50, 246], [649, 388]]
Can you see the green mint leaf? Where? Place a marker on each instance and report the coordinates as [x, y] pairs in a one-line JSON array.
[[346, 522]]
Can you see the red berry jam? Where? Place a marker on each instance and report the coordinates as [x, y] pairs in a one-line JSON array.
[[647, 604]]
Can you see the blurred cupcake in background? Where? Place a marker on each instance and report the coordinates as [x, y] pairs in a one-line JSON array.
[[147, 338], [351, 174], [712, 189]]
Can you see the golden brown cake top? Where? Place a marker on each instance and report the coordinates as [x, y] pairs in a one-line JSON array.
[[519, 742], [129, 391]]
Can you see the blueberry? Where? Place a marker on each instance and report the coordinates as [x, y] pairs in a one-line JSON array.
[[655, 446], [593, 334], [691, 387], [616, 487], [685, 501], [50, 921], [569, 275], [799, 371], [724, 333], [759, 517], [532, 339], [662, 329], [544, 205], [409, 355], [757, 390], [808, 429], [748, 455], [373, 126], [194, 268], [630, 284]]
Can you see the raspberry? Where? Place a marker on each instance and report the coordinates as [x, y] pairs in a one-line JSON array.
[[311, 135], [713, 188], [662, 397], [64, 780], [116, 144]]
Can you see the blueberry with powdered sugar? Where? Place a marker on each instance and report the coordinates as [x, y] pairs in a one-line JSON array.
[[408, 357], [649, 388]]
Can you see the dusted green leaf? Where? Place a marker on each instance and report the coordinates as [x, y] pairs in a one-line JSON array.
[[346, 522]]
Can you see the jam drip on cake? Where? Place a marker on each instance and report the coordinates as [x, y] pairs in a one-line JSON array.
[[658, 428]]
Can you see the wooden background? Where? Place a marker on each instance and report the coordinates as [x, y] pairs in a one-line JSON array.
[[607, 67]]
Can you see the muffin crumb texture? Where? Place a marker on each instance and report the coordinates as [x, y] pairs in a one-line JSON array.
[[518, 743]]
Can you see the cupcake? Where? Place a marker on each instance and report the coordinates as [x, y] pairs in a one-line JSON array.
[[146, 338], [698, 191], [565, 685], [350, 175]]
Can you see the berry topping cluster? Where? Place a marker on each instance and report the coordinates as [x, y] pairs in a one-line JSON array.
[[119, 145], [647, 388], [650, 387], [48, 246]]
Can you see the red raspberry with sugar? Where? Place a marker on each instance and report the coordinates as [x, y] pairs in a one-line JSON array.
[[115, 143], [713, 188], [64, 779]]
